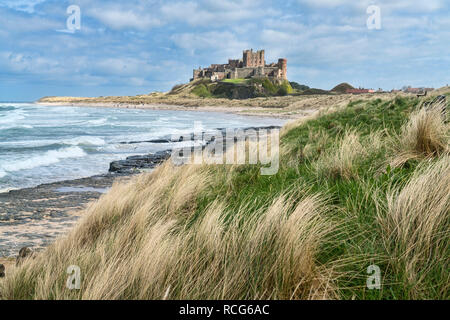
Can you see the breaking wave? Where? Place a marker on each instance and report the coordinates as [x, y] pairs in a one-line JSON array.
[[48, 158], [85, 141]]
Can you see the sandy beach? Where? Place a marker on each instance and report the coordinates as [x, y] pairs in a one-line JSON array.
[[241, 110], [288, 107]]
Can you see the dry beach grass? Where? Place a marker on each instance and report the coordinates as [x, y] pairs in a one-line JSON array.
[[136, 242]]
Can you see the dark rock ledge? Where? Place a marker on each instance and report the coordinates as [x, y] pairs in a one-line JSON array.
[[135, 163]]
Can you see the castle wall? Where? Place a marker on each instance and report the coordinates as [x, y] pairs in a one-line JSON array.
[[242, 73], [217, 76], [235, 63]]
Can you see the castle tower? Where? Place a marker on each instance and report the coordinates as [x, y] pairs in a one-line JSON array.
[[261, 59], [253, 59], [247, 58], [282, 65]]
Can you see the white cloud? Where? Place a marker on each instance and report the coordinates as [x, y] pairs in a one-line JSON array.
[[214, 13], [117, 17], [15, 22], [388, 5], [123, 66], [21, 5], [225, 43], [28, 63]]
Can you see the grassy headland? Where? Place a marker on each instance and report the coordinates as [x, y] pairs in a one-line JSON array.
[[243, 96], [363, 184]]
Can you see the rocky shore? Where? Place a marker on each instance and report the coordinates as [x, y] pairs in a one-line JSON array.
[[142, 162], [34, 217]]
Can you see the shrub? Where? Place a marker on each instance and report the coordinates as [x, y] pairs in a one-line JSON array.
[[269, 87], [298, 86], [285, 89], [202, 91]]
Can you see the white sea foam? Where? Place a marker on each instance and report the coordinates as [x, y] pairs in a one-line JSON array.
[[11, 117], [2, 173], [48, 158]]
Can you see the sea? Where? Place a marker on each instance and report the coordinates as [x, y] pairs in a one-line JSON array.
[[43, 144]]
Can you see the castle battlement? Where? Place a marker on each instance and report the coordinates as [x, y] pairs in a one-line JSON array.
[[252, 65]]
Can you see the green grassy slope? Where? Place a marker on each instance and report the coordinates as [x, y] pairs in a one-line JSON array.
[[355, 200]]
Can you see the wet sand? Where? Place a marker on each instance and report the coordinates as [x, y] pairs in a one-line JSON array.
[[35, 217]]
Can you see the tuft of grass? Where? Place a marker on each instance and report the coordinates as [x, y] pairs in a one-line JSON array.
[[425, 135], [340, 161], [415, 229]]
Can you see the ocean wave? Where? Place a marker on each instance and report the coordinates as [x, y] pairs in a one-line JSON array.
[[7, 108], [15, 127], [2, 173], [85, 141], [28, 144], [11, 118], [97, 121], [48, 158]]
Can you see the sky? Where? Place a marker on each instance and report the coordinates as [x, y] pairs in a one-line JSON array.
[[139, 46]]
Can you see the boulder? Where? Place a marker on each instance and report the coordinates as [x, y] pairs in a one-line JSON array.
[[24, 253], [133, 163]]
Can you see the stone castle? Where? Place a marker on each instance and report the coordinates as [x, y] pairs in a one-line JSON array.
[[252, 65]]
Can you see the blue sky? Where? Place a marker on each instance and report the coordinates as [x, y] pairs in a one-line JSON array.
[[138, 46]]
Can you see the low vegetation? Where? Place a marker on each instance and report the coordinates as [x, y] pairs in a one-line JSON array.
[[202, 91], [240, 88], [340, 202], [235, 80], [299, 87], [424, 136], [342, 88]]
